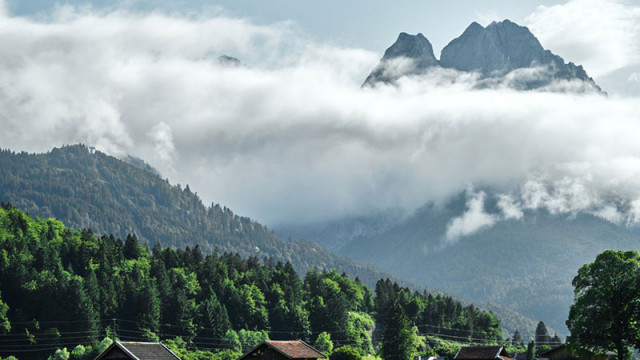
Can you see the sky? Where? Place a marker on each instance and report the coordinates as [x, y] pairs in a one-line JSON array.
[[368, 24], [290, 136]]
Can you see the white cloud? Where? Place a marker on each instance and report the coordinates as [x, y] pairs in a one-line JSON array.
[[292, 135], [510, 209], [164, 146], [472, 220], [610, 213], [603, 36]]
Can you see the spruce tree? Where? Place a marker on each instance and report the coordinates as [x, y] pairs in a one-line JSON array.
[[399, 341], [214, 318], [131, 248], [555, 341], [516, 339], [542, 335]]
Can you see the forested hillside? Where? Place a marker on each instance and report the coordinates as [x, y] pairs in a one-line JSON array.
[[60, 287], [89, 189], [525, 264]]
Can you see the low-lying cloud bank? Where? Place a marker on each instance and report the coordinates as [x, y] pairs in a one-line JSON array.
[[291, 136]]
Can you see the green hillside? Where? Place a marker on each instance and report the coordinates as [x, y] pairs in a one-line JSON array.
[[89, 189]]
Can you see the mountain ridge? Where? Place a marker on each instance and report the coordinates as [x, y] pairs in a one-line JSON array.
[[89, 189], [492, 52]]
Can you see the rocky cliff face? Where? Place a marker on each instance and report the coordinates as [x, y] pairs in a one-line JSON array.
[[494, 50], [410, 54], [498, 53]]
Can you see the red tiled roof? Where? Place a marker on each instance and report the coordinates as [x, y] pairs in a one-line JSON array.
[[295, 349], [481, 353]]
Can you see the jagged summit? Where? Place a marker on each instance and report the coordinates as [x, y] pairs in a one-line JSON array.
[[415, 48], [494, 52], [473, 29]]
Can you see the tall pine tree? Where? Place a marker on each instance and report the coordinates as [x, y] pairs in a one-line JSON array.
[[542, 335], [399, 341]]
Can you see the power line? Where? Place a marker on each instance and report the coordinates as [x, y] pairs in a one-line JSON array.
[[47, 339]]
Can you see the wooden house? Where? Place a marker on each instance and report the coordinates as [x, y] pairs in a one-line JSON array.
[[283, 350], [482, 353], [127, 350]]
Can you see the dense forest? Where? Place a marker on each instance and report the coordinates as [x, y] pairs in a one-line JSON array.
[[61, 287], [87, 189]]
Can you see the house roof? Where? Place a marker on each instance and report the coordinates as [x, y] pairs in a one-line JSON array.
[[481, 353], [142, 350], [295, 349], [551, 351], [289, 349]]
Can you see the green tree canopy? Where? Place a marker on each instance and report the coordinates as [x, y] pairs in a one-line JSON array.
[[345, 353], [323, 343], [605, 312]]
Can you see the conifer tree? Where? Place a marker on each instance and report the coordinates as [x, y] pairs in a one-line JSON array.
[[214, 317], [131, 247], [516, 339], [399, 341], [542, 335]]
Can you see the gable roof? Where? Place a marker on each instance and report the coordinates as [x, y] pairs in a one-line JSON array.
[[289, 349], [481, 353], [295, 349], [142, 350]]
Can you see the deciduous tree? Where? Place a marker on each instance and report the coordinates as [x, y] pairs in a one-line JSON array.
[[606, 308]]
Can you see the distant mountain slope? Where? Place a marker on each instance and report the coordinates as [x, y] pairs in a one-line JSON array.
[[523, 264], [500, 49], [89, 189]]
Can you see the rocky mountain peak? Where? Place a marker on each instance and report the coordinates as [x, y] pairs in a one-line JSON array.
[[500, 49], [473, 29], [493, 51], [413, 47], [416, 49]]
